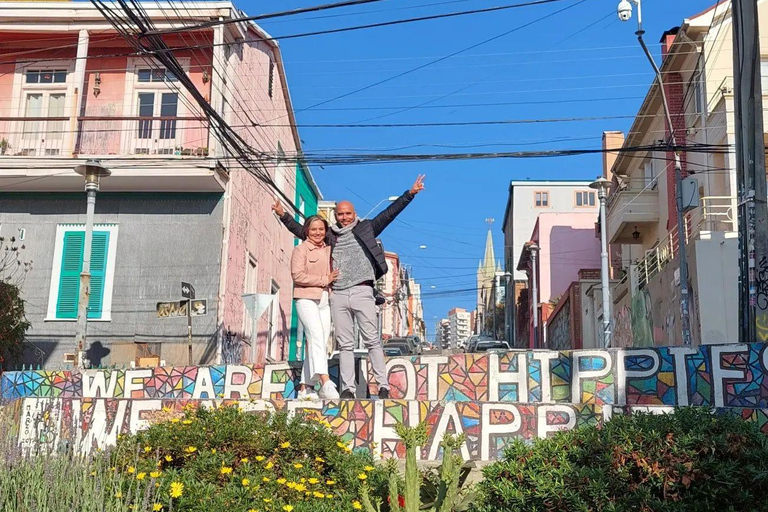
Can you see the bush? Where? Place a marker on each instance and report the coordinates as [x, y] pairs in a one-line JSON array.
[[225, 459], [686, 461]]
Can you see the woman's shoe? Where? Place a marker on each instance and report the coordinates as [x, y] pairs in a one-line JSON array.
[[307, 395], [328, 391]]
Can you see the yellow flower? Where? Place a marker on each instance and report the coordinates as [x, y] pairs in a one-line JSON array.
[[168, 458], [244, 460], [158, 463], [319, 459], [141, 476], [286, 445], [362, 476], [175, 420], [267, 500], [118, 494], [313, 481], [113, 468], [317, 494], [265, 479], [252, 510], [260, 458], [246, 482], [301, 487], [147, 449], [155, 474], [281, 480], [177, 489], [287, 508], [329, 496], [298, 465], [186, 422], [190, 449], [213, 451], [93, 473], [225, 470], [291, 485], [269, 465], [356, 505], [330, 482], [157, 507], [131, 470], [368, 468], [341, 445]]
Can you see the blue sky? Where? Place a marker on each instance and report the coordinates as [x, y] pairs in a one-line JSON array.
[[581, 62]]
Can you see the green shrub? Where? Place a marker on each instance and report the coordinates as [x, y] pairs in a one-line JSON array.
[[686, 461], [226, 459]]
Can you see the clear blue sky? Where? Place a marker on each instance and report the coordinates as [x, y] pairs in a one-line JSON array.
[[582, 62]]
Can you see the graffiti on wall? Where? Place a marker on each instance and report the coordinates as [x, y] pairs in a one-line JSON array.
[[91, 423], [712, 375], [642, 319], [622, 327], [559, 329]]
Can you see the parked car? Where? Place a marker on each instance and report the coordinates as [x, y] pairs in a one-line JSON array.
[[414, 347], [474, 340], [397, 347], [491, 346]]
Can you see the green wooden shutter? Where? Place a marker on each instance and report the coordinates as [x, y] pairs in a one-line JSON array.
[[99, 248], [69, 280]]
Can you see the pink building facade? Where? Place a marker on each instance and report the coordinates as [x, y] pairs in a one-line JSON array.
[[566, 244], [177, 206]]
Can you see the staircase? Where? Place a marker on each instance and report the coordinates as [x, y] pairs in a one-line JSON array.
[[492, 398]]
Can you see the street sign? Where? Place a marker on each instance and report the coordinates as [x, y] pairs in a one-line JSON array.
[[178, 308], [187, 290], [199, 307]]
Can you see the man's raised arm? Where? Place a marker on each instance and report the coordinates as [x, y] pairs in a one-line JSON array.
[[293, 226], [386, 217]]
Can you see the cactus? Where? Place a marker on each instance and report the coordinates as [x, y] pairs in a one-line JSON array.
[[446, 495]]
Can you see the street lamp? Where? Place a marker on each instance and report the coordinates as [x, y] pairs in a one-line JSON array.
[[602, 185], [625, 13], [534, 249], [390, 199], [93, 171]]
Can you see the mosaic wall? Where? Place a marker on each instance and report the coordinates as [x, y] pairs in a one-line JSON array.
[[714, 375], [92, 423]]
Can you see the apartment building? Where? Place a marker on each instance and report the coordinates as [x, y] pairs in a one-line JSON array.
[[176, 206], [460, 327]]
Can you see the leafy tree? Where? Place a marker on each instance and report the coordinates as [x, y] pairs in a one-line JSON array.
[[13, 321]]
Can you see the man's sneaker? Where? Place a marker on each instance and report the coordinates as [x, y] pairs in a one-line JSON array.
[[328, 391], [347, 395], [383, 393], [307, 395]]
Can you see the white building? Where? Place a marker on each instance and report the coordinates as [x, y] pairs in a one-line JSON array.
[[526, 200], [460, 326]]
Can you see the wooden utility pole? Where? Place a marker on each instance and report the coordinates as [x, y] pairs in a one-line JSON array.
[[750, 169]]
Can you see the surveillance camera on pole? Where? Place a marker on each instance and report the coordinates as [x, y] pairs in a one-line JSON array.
[[624, 10]]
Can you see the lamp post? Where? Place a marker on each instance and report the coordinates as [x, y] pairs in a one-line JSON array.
[[602, 185], [534, 295], [390, 199], [625, 13], [93, 171]]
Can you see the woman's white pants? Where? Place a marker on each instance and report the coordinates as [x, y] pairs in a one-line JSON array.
[[315, 316]]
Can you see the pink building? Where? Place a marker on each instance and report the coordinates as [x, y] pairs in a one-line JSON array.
[[177, 205], [566, 244]]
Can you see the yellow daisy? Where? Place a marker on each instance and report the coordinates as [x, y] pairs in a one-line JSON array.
[[177, 489], [356, 505], [225, 470], [157, 507]]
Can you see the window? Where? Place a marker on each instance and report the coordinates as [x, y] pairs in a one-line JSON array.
[[271, 84], [585, 198], [251, 279], [541, 199], [649, 174], [157, 102], [699, 91], [43, 98], [68, 263]]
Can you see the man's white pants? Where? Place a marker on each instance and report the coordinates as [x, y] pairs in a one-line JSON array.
[[315, 316]]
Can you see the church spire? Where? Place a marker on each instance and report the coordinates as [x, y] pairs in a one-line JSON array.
[[489, 260]]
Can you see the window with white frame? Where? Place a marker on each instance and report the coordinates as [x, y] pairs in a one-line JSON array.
[[273, 319], [158, 103], [699, 91], [43, 105], [584, 199], [251, 277], [68, 264], [649, 174]]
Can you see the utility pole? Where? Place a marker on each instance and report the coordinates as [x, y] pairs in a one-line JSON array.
[[750, 170]]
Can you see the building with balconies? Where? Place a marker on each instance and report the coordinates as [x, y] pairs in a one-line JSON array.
[[697, 65], [177, 207]]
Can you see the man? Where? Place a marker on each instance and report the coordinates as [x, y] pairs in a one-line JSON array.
[[360, 261]]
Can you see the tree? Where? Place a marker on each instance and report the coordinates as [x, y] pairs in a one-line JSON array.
[[13, 321]]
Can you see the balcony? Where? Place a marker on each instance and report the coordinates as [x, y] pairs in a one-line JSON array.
[[630, 209], [40, 153]]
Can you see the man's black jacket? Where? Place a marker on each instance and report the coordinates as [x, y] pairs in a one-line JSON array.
[[365, 232]]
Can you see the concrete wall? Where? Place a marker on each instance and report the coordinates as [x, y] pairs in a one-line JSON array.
[[715, 270], [162, 239]]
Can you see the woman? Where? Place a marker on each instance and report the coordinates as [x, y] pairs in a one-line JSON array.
[[312, 278]]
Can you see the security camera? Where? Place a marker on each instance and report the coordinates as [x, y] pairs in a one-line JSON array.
[[624, 10]]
